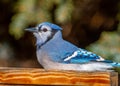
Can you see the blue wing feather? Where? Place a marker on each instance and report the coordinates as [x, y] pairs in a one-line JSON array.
[[83, 56]]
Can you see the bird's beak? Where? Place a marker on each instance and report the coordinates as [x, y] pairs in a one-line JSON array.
[[31, 29]]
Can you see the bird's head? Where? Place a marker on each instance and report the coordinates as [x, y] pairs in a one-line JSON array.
[[44, 32]]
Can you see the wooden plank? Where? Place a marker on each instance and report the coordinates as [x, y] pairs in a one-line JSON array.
[[114, 79], [42, 77]]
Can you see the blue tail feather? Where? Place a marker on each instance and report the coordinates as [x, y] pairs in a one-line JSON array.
[[115, 64]]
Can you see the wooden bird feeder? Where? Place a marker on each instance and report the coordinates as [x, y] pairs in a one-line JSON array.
[[34, 76]]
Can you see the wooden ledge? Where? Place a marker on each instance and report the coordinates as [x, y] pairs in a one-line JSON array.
[[42, 77]]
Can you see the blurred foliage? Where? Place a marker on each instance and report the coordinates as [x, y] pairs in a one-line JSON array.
[[5, 48], [36, 11], [118, 17], [107, 45], [23, 9]]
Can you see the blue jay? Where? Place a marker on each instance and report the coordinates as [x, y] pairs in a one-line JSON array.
[[53, 52]]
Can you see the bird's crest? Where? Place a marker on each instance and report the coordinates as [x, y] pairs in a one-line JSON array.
[[53, 26]]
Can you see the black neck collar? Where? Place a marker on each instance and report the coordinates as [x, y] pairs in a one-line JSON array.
[[48, 39]]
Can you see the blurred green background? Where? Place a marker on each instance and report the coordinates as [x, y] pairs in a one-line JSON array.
[[90, 24]]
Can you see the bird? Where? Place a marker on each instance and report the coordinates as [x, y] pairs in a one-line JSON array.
[[55, 53]]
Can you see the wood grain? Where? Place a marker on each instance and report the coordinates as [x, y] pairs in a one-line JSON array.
[[43, 77]]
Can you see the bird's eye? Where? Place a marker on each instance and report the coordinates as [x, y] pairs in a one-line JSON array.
[[44, 30]]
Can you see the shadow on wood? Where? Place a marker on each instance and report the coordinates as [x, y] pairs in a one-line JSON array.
[[33, 76]]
